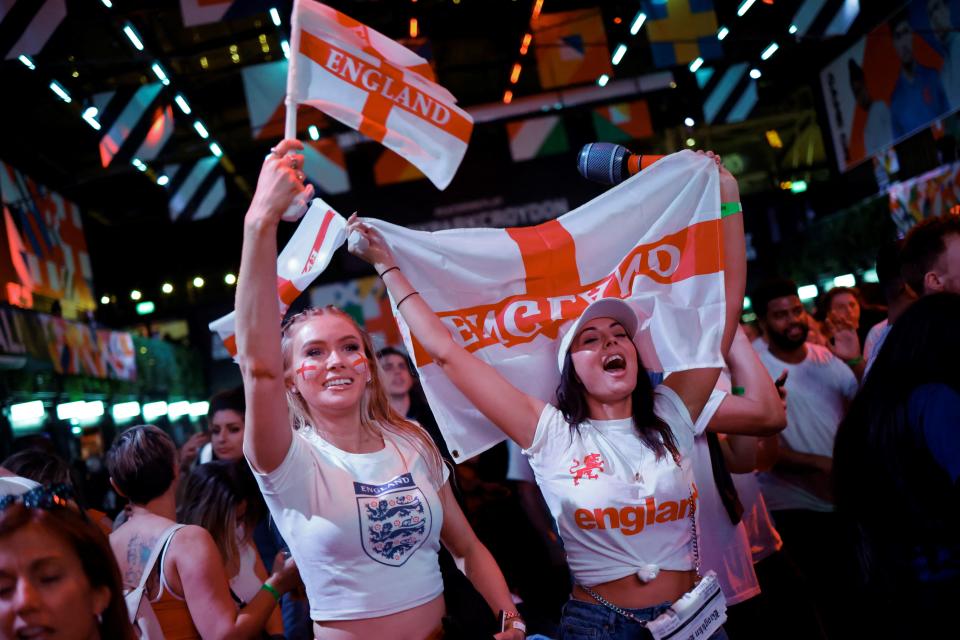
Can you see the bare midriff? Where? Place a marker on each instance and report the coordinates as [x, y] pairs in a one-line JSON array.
[[413, 624], [630, 592]]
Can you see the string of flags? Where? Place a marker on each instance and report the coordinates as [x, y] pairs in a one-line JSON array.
[[389, 93]]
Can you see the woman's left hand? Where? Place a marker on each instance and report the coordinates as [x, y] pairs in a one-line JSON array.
[[729, 189], [375, 251], [511, 634]]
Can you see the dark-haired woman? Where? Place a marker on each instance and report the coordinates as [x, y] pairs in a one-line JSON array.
[[630, 443], [58, 577], [896, 468], [189, 589]]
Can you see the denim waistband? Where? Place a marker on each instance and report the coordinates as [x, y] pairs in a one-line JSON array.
[[597, 615]]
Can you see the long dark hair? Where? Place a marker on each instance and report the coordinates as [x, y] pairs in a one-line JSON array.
[[888, 487], [93, 549], [572, 403]]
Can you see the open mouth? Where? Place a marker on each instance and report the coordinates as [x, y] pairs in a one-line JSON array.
[[337, 383], [614, 362]]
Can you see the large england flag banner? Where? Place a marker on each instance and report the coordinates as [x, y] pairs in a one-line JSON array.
[[376, 86], [506, 294], [308, 252]]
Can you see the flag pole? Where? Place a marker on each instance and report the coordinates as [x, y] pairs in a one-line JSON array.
[[290, 121]]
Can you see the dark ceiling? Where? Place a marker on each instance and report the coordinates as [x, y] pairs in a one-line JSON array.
[[474, 43]]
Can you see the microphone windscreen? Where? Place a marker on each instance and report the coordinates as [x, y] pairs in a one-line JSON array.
[[603, 162]]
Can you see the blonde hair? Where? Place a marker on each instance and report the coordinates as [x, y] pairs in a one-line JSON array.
[[376, 413]]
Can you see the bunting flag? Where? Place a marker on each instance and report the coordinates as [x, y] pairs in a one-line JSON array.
[[136, 123], [197, 12], [392, 169], [196, 190], [731, 94], [681, 31], [825, 18], [308, 252], [26, 25], [537, 137], [372, 84], [47, 248], [571, 48], [325, 166], [623, 122], [265, 86]]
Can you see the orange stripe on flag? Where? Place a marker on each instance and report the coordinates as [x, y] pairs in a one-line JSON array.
[[318, 241], [384, 82], [549, 258], [230, 342], [287, 291]]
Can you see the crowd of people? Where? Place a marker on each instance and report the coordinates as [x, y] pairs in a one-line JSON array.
[[806, 490]]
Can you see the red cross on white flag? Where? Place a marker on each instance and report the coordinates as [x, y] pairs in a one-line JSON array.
[[376, 86]]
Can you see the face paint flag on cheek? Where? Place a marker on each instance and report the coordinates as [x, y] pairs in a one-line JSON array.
[[308, 371], [361, 365]]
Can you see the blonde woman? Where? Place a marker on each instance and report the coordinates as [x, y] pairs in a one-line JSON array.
[[359, 493]]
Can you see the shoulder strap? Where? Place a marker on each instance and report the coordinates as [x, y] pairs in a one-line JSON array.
[[157, 551]]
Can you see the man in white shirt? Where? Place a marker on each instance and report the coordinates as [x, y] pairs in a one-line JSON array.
[[797, 491]]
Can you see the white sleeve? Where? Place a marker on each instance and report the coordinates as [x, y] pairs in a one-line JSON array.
[[845, 378], [293, 473], [552, 437], [709, 409], [668, 406]]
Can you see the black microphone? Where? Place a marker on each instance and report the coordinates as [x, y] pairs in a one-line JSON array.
[[610, 163]]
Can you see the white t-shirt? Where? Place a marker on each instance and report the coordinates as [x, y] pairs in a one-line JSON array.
[[246, 584], [619, 510], [364, 528], [756, 520], [817, 392], [724, 547]]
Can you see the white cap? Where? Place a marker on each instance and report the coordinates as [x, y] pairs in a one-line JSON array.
[[603, 308]]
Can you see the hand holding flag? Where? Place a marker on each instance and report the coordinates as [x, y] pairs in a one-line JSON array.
[[280, 185]]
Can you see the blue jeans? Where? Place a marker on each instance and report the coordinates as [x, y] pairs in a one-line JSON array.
[[587, 621]]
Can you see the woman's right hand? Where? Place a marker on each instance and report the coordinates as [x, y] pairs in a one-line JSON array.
[[280, 183], [286, 576], [375, 251]]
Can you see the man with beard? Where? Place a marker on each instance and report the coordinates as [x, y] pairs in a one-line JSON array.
[[797, 490]]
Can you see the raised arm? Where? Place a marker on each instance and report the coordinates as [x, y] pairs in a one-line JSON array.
[[206, 589], [513, 411], [695, 385], [759, 411], [267, 434]]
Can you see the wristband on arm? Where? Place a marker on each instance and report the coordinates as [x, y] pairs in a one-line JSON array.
[[730, 208], [271, 590]]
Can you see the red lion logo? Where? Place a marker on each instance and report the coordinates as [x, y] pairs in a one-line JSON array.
[[592, 463]]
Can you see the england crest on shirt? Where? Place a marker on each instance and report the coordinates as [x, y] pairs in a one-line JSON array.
[[395, 519]]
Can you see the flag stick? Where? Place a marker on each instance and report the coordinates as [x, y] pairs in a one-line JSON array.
[[290, 122]]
